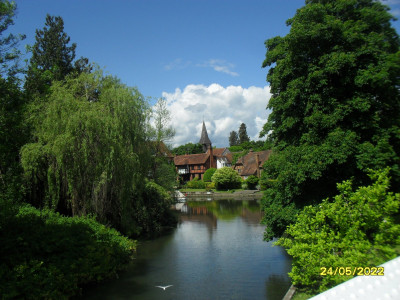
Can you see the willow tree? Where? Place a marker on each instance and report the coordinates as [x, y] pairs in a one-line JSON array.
[[90, 152], [335, 104]]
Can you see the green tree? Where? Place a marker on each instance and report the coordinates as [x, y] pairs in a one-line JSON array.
[[233, 139], [161, 116], [9, 54], [226, 178], [356, 229], [335, 104], [160, 132], [51, 57], [12, 137], [208, 174], [188, 148], [252, 182], [243, 137], [91, 150], [12, 129]]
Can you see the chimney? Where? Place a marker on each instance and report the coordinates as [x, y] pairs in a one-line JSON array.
[[211, 157], [258, 165]]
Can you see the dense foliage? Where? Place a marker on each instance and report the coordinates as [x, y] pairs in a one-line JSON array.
[[46, 256], [91, 148], [233, 139], [252, 182], [195, 183], [150, 211], [226, 178], [243, 137], [356, 229], [335, 104], [52, 57], [188, 148], [208, 174], [13, 135], [12, 128]]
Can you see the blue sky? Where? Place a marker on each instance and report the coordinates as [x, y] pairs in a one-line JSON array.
[[203, 56]]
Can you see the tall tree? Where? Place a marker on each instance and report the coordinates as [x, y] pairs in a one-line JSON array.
[[12, 133], [162, 129], [162, 171], [52, 57], [335, 104], [89, 155], [233, 139], [9, 54], [243, 137]]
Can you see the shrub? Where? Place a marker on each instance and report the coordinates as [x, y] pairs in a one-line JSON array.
[[210, 186], [252, 182], [47, 256], [152, 211], [208, 174], [195, 184], [226, 178], [356, 229]]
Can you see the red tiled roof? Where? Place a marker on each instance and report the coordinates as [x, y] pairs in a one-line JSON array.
[[218, 151], [229, 156], [191, 159], [249, 162]]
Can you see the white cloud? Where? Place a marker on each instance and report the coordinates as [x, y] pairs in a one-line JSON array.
[[222, 108], [178, 63], [220, 65]]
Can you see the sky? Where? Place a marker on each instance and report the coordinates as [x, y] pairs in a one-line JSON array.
[[203, 57]]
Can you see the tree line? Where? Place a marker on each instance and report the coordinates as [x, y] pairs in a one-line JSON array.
[[334, 125]]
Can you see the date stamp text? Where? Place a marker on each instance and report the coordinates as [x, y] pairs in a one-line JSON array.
[[355, 271]]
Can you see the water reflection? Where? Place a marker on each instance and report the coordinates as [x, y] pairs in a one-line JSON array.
[[216, 252]]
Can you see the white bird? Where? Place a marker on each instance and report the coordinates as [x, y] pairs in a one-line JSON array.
[[163, 287]]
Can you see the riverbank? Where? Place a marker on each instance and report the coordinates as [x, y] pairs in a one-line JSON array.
[[239, 195]]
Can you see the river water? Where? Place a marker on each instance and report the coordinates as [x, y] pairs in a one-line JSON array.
[[216, 252]]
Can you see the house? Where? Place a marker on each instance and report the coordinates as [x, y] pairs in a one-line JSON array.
[[223, 157], [192, 166], [251, 163]]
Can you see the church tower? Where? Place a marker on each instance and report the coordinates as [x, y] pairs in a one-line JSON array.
[[204, 139]]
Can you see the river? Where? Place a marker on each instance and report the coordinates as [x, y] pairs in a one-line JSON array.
[[216, 252]]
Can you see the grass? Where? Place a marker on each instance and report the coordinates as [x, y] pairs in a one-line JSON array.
[[298, 295]]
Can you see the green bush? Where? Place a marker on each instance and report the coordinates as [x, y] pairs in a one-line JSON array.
[[208, 174], [152, 211], [210, 186], [355, 230], [46, 256], [252, 182], [226, 178], [195, 184]]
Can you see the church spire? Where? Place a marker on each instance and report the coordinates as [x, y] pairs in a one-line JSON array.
[[204, 139]]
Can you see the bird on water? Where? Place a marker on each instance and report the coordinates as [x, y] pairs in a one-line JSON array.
[[163, 287]]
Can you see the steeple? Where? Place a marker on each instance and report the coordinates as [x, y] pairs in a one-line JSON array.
[[204, 139]]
